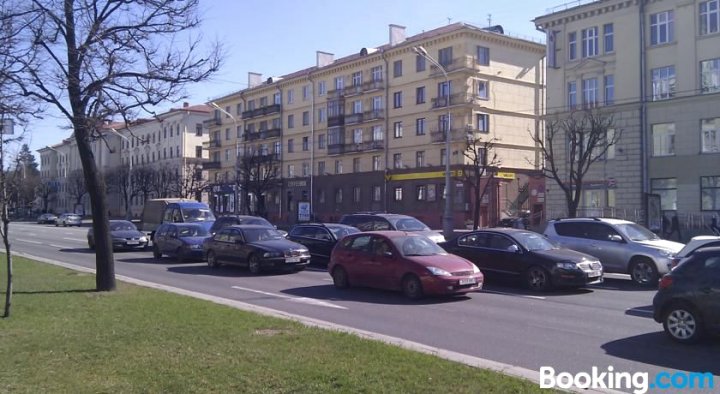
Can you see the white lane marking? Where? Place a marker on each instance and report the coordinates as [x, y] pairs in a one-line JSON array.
[[302, 300], [74, 239], [639, 310], [29, 241], [514, 295], [58, 246]]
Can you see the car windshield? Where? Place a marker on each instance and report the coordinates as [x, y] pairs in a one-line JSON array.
[[192, 231], [122, 226], [197, 215], [257, 221], [417, 246], [533, 241], [341, 232], [636, 232], [261, 234], [410, 224]]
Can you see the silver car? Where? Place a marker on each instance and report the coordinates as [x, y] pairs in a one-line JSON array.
[[68, 219], [622, 246]]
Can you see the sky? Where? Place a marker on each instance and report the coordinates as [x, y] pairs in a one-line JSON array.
[[277, 37]]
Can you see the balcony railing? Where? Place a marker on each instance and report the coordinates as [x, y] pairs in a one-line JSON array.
[[438, 135], [211, 165], [367, 116], [262, 111], [455, 99], [211, 122], [215, 143], [338, 149], [263, 134], [461, 63], [337, 120]]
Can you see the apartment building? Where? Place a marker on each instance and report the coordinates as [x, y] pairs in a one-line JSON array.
[[366, 132], [655, 66]]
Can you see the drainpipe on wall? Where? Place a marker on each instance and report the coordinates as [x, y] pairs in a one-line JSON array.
[[643, 116], [386, 197], [312, 146]]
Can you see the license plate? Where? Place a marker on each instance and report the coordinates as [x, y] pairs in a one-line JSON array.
[[133, 242], [594, 274], [467, 281], [292, 260]]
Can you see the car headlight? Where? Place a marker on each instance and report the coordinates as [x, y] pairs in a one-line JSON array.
[[437, 238], [143, 239], [272, 254], [195, 246], [566, 265], [438, 271], [665, 253], [475, 269]]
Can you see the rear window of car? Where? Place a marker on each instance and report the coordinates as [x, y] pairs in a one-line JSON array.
[[568, 229]]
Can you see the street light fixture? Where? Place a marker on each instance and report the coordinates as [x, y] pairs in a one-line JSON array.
[[447, 219], [128, 213], [237, 153]]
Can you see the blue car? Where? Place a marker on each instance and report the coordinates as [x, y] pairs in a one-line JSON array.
[[180, 240]]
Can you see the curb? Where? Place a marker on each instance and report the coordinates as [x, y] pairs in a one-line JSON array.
[[506, 369]]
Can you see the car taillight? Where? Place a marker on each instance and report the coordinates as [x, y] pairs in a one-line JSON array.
[[665, 282]]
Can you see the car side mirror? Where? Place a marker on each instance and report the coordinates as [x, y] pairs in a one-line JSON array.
[[513, 249], [616, 238], [387, 254]]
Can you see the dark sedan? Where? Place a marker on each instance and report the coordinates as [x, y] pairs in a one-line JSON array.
[[46, 218], [320, 238], [520, 253], [688, 300], [124, 235], [256, 247], [180, 240]]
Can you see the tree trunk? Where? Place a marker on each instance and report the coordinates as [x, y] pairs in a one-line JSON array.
[[8, 257], [476, 206]]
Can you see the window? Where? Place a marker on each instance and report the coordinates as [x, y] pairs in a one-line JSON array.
[[321, 141], [357, 78], [339, 83], [377, 103], [198, 152], [291, 121], [445, 56], [420, 126], [572, 46], [338, 195], [397, 160], [397, 130], [321, 196], [667, 189], [443, 123], [444, 89], [609, 81], [290, 96], [661, 28], [198, 130], [419, 63], [356, 194], [483, 56], [357, 107], [357, 136], [306, 144], [322, 89], [663, 83], [609, 137], [291, 145], [663, 135], [305, 169], [321, 114], [608, 38], [376, 163], [709, 17], [227, 134], [291, 170], [590, 91], [238, 109], [421, 192], [377, 73], [277, 98], [356, 164], [378, 133], [710, 76], [572, 95], [397, 68], [398, 193], [397, 100], [710, 193], [482, 89], [419, 159], [590, 42], [321, 168], [334, 137], [710, 130], [420, 95], [239, 132], [277, 148], [377, 193], [306, 118], [483, 122], [263, 102], [338, 167], [306, 92]]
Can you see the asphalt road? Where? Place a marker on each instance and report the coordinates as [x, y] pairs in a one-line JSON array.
[[605, 325]]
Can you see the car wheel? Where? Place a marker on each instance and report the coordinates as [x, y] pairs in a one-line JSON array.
[[56, 224], [179, 255], [64, 224], [156, 253], [254, 264], [682, 323], [644, 272], [212, 260], [537, 279], [340, 278], [91, 245], [411, 287]]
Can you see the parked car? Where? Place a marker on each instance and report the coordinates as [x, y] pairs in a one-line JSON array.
[[68, 219], [184, 241], [256, 247], [701, 241], [174, 210], [541, 264], [230, 220], [622, 246], [320, 238], [399, 260], [688, 300], [389, 221], [124, 235], [46, 218]]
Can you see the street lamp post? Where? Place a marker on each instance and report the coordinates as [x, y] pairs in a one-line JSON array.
[[237, 155], [447, 219], [128, 213]]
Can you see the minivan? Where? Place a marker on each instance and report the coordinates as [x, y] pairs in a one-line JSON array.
[[175, 210]]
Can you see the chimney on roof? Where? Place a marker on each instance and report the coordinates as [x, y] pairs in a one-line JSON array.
[[254, 79], [397, 35], [185, 104], [324, 58]]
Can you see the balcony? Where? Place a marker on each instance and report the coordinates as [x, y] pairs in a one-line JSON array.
[[467, 63], [338, 149], [375, 114], [455, 99], [371, 86], [438, 135], [262, 111], [211, 165], [211, 122], [263, 134], [215, 143], [336, 120]]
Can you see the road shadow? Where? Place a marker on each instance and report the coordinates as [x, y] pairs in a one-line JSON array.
[[224, 271], [77, 250], [56, 291], [645, 311], [367, 295], [622, 284], [516, 286], [658, 349]]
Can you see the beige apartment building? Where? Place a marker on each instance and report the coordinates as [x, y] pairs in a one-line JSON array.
[[654, 65], [366, 132]]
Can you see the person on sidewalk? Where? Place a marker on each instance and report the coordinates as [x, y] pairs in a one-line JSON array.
[[665, 226], [675, 226], [714, 224]]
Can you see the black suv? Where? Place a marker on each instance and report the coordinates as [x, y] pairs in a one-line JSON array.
[[231, 220], [688, 301], [390, 221], [320, 238]]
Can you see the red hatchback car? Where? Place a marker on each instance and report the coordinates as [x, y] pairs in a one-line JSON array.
[[399, 260]]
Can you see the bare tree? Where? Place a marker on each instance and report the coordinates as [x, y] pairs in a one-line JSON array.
[[45, 191], [571, 145], [483, 160], [95, 60], [258, 174], [75, 186], [164, 180], [118, 181], [143, 181], [191, 183]]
